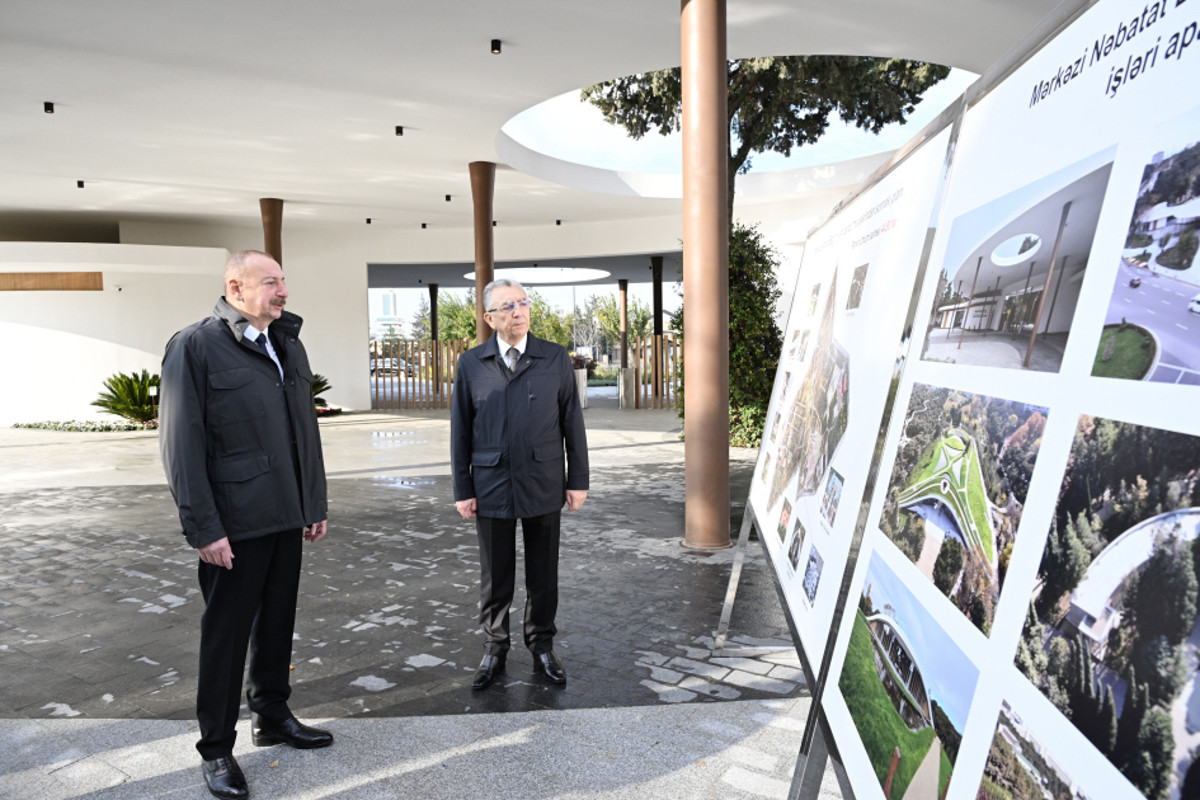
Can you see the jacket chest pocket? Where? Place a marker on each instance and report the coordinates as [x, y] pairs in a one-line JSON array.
[[232, 397]]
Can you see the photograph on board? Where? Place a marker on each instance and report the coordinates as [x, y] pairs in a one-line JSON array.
[[812, 575], [1152, 328], [1013, 268], [1022, 763], [814, 424], [907, 686], [1111, 635], [957, 491], [794, 548], [857, 283]]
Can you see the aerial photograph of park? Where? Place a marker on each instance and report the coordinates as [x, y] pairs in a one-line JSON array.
[[907, 687], [1111, 635], [1153, 319], [1020, 766], [813, 426], [957, 491]]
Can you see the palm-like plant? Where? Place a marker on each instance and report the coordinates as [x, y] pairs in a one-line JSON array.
[[129, 396], [320, 385]]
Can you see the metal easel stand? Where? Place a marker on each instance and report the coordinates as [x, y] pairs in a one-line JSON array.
[[719, 649]]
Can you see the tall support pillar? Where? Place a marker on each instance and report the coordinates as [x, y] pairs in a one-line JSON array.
[[623, 287], [272, 220], [656, 264], [962, 331], [483, 187], [705, 273], [1037, 320], [433, 336]]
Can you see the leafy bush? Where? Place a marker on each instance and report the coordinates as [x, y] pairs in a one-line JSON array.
[[129, 396], [583, 362]]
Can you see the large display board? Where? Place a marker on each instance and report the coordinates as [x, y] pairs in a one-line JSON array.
[[851, 300], [1022, 615]]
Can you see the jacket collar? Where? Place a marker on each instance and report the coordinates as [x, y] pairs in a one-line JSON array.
[[534, 347], [288, 323]]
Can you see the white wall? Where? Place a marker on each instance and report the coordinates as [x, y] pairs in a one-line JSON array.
[[59, 346]]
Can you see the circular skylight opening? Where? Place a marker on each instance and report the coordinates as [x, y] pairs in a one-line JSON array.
[[1016, 249], [534, 276]]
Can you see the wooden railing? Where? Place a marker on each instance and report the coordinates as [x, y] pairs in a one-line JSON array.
[[656, 361], [414, 374]]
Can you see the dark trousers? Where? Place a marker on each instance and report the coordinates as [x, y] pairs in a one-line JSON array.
[[253, 604], [497, 561]]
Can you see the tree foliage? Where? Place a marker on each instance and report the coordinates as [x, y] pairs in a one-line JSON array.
[[456, 318], [774, 103], [639, 319], [755, 340], [949, 563]]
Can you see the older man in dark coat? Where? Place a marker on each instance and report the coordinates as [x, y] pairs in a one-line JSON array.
[[518, 451], [242, 453]]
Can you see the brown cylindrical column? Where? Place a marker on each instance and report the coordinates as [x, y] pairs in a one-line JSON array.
[[433, 335], [657, 352], [272, 220], [483, 186], [623, 287], [705, 274], [656, 264]]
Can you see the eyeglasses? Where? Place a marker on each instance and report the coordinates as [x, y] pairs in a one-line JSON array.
[[508, 308]]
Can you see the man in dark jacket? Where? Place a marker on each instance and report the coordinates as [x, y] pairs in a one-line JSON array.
[[242, 453], [513, 409]]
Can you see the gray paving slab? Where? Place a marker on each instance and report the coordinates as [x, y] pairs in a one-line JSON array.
[[99, 613]]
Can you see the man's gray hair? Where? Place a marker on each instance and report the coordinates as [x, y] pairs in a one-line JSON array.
[[235, 267], [496, 284]]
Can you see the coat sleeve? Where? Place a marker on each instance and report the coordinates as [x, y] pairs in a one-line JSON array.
[[462, 422], [181, 439], [570, 420]]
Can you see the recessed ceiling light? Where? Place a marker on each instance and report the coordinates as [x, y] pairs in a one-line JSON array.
[[78, 184], [447, 198], [48, 107], [495, 47], [558, 222], [368, 220], [399, 130], [423, 226]]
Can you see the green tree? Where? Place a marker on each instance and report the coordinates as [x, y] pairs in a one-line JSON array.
[[419, 327], [774, 103], [1164, 596], [456, 315], [948, 564], [1150, 767], [547, 322], [755, 340], [639, 319]]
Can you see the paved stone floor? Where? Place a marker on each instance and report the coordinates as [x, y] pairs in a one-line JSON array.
[[99, 612]]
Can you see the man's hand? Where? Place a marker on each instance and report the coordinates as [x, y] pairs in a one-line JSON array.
[[316, 531], [575, 498], [467, 507], [218, 553]]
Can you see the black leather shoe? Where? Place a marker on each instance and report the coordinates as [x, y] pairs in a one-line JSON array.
[[291, 732], [224, 778], [491, 666], [549, 667]]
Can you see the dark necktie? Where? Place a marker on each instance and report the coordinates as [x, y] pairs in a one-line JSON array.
[[514, 355], [261, 341]]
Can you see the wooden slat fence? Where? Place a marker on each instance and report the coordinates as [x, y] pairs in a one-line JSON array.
[[656, 361], [414, 374]]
